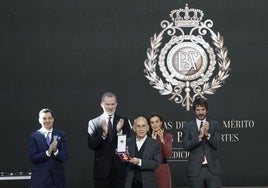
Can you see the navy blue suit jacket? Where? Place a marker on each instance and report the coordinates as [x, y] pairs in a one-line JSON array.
[[42, 165]]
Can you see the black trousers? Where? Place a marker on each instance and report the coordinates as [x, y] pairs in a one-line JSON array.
[[109, 182], [136, 185]]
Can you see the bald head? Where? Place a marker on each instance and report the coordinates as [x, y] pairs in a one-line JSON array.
[[140, 127], [140, 119]]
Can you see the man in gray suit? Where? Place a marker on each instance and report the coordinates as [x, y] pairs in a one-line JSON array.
[[202, 138], [144, 155]]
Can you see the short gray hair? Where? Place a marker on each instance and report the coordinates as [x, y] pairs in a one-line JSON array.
[[108, 94]]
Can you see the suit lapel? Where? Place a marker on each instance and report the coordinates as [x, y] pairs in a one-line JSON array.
[[42, 139], [132, 147], [115, 121], [54, 132], [147, 145], [194, 128]]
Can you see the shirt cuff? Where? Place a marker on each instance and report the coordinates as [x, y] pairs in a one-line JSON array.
[[48, 154], [139, 163], [103, 137], [56, 152]]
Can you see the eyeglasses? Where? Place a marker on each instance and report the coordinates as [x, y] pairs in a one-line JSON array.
[[141, 127]]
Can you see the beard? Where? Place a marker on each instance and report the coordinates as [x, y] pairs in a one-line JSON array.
[[110, 113], [201, 116]]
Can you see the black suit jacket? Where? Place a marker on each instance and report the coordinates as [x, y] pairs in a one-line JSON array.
[[105, 158], [150, 161], [210, 147]]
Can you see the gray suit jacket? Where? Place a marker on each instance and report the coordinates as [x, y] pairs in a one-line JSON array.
[[150, 161], [210, 147]]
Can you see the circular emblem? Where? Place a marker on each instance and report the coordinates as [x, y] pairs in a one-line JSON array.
[[187, 61]]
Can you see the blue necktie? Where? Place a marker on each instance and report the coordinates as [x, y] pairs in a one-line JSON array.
[[48, 138]]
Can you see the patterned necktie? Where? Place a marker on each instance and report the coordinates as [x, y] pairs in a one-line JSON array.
[[48, 139], [110, 127]]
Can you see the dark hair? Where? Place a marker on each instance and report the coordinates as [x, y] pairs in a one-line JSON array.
[[200, 102], [46, 110], [154, 114], [108, 94]]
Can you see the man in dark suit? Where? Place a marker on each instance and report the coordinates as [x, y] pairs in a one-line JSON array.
[[144, 155], [109, 170], [48, 151], [202, 138]]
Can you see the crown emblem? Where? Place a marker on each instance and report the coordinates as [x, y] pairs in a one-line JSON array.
[[188, 17]]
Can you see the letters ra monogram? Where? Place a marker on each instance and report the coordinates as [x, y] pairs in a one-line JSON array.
[[191, 66]]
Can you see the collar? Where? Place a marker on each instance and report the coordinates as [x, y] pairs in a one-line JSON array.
[[198, 121], [44, 130], [106, 116], [141, 140]]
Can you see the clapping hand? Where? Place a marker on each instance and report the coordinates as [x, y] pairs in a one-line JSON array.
[[206, 128], [119, 125], [53, 146], [104, 128]]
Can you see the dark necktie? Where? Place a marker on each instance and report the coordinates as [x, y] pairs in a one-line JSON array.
[[48, 138], [110, 128], [201, 125]]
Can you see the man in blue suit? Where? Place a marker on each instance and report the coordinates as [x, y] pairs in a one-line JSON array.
[[48, 151], [202, 138]]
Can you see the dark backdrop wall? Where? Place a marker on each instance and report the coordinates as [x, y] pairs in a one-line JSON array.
[[65, 54]]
